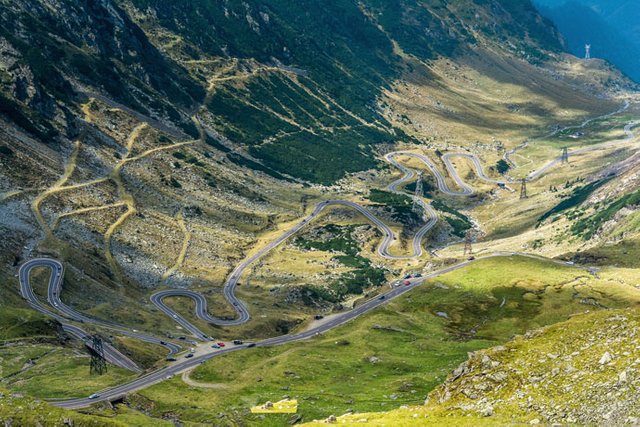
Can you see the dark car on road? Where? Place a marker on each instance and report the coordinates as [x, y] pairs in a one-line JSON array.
[[189, 356], [237, 342]]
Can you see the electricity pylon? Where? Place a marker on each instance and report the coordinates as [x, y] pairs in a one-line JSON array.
[[98, 362], [417, 195], [468, 239], [523, 189]]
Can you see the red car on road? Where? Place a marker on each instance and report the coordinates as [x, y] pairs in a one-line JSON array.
[[406, 282], [221, 344]]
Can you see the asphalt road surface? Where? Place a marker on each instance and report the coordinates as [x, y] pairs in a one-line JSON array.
[[183, 365], [242, 314], [67, 314]]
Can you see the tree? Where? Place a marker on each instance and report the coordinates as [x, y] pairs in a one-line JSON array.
[[502, 166]]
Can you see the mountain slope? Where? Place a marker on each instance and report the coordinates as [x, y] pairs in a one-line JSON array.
[[152, 145], [314, 74], [609, 26]]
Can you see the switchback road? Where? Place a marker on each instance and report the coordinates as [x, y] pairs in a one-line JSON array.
[[113, 356]]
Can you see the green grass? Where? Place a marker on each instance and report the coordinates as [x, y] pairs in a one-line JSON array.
[[586, 227], [458, 221], [24, 322], [401, 204], [354, 282], [563, 359], [24, 411], [578, 343], [623, 254], [55, 370], [486, 304], [577, 197]]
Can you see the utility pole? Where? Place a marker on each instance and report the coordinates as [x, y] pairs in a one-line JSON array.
[[417, 209], [587, 51], [468, 239], [564, 158], [98, 363], [523, 189]]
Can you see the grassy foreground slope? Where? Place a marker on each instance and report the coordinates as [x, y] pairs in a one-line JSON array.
[[18, 410], [397, 354], [582, 371]]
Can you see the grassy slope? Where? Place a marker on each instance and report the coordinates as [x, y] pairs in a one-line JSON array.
[[18, 410], [552, 375], [334, 372], [54, 368]]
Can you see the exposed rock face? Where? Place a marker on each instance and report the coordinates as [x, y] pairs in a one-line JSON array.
[[584, 371]]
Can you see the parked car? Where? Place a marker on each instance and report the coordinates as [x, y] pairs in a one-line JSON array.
[[318, 316], [189, 356], [215, 346], [170, 359], [221, 344], [406, 282], [237, 342]]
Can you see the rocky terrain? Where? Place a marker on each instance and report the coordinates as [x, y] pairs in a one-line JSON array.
[[152, 145]]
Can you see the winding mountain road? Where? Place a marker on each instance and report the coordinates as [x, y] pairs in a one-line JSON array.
[[242, 314], [184, 365], [68, 314]]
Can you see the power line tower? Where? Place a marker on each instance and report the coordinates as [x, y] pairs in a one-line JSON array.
[[587, 51], [523, 189], [98, 362], [468, 239], [564, 157], [417, 195]]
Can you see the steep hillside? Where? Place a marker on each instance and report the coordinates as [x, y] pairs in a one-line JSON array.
[[285, 80], [153, 145], [582, 371], [611, 27]]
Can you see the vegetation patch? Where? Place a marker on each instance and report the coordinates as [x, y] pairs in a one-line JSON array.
[[577, 197], [456, 219], [588, 226], [393, 360], [502, 166], [428, 187], [401, 204], [241, 160], [18, 410], [363, 275]]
